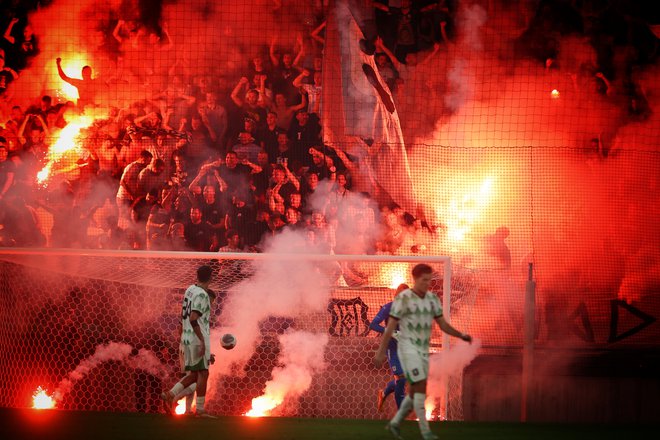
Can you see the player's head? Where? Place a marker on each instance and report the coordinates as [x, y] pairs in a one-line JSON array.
[[204, 274], [422, 274], [402, 287]]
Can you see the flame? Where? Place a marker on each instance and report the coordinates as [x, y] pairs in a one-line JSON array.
[[554, 94], [41, 400], [392, 275], [72, 65], [180, 407], [463, 213], [430, 406], [263, 405], [66, 142]]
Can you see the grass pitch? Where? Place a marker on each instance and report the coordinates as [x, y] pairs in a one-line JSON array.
[[17, 424]]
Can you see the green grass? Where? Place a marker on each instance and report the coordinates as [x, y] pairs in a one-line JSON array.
[[16, 424]]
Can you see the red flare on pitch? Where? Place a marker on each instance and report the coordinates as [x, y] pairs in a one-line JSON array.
[[41, 400]]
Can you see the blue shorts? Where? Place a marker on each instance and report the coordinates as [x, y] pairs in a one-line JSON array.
[[395, 363]]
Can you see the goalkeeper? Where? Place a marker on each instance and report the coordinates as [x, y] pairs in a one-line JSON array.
[[398, 384]]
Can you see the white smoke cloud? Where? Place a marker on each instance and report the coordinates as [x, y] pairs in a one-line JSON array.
[[280, 287], [445, 364], [112, 351], [301, 357]]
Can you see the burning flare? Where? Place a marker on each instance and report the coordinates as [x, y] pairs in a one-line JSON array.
[[41, 400], [392, 275], [464, 213], [263, 405], [67, 142], [430, 406], [180, 407], [72, 65]]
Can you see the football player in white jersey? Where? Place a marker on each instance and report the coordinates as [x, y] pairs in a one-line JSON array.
[[414, 311], [195, 340]]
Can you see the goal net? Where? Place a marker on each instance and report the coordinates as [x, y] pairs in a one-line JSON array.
[[99, 330]]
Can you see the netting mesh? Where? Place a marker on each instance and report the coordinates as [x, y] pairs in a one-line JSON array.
[[102, 332], [499, 133]]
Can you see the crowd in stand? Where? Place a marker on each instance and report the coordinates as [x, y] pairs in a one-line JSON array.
[[208, 167]]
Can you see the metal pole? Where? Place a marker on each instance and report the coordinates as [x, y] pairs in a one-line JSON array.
[[446, 312], [528, 344]]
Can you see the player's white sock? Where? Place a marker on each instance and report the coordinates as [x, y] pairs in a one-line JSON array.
[[404, 410], [188, 392], [420, 412], [200, 403], [190, 389], [176, 389]]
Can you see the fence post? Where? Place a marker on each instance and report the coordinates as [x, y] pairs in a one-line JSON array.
[[528, 344]]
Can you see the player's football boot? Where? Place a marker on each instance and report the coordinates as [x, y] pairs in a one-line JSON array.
[[204, 415], [168, 402], [395, 430], [381, 400], [429, 436]]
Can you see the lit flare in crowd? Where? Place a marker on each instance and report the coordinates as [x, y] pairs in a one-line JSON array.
[[72, 66], [466, 211], [393, 275], [66, 142]]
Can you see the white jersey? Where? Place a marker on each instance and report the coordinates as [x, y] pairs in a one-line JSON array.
[[416, 316], [195, 299]]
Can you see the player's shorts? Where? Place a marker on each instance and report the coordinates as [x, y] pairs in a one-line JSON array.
[[415, 364], [394, 362], [192, 361]]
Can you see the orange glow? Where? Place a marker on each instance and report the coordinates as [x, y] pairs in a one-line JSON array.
[[554, 94], [263, 405], [430, 406], [41, 400], [67, 142], [180, 407], [72, 65], [392, 275], [466, 211]]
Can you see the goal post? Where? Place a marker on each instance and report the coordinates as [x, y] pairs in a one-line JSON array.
[[100, 328]]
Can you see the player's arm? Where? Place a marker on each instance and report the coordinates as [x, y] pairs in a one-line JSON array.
[[384, 342], [447, 328], [381, 316]]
